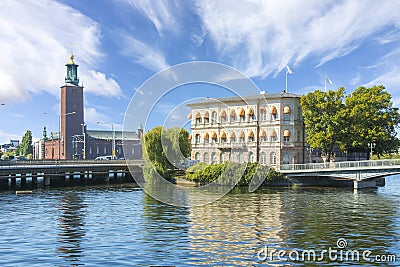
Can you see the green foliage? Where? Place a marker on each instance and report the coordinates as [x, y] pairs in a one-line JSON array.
[[325, 119], [351, 122], [26, 146], [162, 149], [373, 119], [231, 173]]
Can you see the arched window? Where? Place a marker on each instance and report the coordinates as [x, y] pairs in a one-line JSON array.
[[286, 113], [214, 158], [263, 114], [241, 137], [105, 150], [133, 151], [206, 117], [286, 136], [240, 157], [206, 158], [232, 115], [206, 138], [214, 117], [223, 157], [263, 136], [197, 156], [251, 157], [274, 136], [274, 113], [214, 137], [97, 150], [273, 158], [250, 136], [231, 157], [263, 158], [198, 117], [197, 138], [250, 112], [223, 137], [242, 114], [232, 138], [222, 114]]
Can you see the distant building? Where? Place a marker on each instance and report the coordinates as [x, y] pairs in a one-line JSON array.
[[265, 128], [12, 146], [74, 141]]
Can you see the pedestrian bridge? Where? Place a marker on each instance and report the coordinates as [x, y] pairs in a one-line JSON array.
[[366, 171]]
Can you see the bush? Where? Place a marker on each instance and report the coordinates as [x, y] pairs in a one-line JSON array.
[[232, 173]]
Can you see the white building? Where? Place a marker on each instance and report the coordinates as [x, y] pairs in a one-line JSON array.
[[265, 128]]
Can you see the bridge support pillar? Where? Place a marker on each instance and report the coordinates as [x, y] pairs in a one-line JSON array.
[[23, 181], [46, 180], [34, 181], [13, 181], [364, 184]]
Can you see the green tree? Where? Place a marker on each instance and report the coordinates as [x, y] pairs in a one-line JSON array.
[[373, 119], [163, 150], [26, 147], [325, 119]]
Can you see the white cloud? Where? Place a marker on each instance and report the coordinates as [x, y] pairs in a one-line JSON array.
[[97, 83], [36, 38], [163, 14], [262, 37], [92, 116], [6, 137], [143, 54]]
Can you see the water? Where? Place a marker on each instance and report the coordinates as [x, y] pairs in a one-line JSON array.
[[119, 225]]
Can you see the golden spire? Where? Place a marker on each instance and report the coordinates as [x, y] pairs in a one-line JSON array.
[[71, 57]]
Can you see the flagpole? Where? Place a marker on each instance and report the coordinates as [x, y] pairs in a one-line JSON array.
[[286, 82]]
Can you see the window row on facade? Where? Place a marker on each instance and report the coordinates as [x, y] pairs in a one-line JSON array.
[[239, 114], [240, 137], [241, 157]]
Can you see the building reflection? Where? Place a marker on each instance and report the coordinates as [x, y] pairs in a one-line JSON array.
[[233, 229], [71, 225]]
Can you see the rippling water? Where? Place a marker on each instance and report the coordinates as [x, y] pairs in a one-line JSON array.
[[120, 225]]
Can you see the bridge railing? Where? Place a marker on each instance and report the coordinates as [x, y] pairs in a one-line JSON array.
[[340, 165], [37, 163]]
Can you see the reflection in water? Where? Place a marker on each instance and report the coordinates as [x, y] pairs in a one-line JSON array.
[[232, 230], [122, 226], [71, 226]]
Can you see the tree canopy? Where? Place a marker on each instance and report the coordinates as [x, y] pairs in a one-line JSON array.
[[164, 149], [350, 122], [26, 147]]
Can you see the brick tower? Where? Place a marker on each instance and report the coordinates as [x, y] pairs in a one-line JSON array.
[[71, 114]]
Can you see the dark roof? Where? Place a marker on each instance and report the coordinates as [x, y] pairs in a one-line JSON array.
[[245, 98], [102, 134]]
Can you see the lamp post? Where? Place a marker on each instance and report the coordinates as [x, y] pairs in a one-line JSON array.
[[84, 140], [371, 146], [59, 132]]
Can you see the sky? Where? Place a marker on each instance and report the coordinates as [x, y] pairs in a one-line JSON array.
[[121, 44]]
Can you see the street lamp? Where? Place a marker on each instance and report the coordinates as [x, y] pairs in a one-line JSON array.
[[371, 146], [59, 132], [84, 140]]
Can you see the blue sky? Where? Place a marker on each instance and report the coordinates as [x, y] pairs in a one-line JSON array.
[[119, 44]]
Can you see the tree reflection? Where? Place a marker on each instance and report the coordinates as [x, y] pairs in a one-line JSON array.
[[71, 225]]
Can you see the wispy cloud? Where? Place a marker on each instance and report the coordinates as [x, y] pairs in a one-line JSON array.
[[163, 14], [36, 38], [143, 54], [273, 34]]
